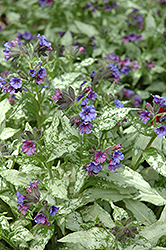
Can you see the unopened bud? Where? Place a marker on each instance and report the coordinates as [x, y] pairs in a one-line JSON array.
[[81, 49]]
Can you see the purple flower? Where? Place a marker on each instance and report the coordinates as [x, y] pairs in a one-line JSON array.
[[33, 184], [132, 37], [115, 71], [92, 95], [94, 167], [118, 156], [100, 157], [20, 198], [118, 103], [125, 70], [61, 33], [57, 95], [140, 19], [42, 40], [8, 47], [15, 82], [107, 8], [41, 219], [85, 127], [88, 113], [80, 97], [126, 61], [160, 131], [84, 102], [158, 99], [53, 210], [27, 35], [28, 147], [125, 39], [23, 209], [32, 72], [145, 116], [40, 76], [113, 165], [136, 65], [150, 64], [42, 2], [93, 74], [139, 37], [128, 92]]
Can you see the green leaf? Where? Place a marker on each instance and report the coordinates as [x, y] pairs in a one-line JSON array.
[[42, 235], [65, 80], [94, 238], [57, 188], [8, 133], [90, 213], [156, 230], [66, 39], [150, 24], [86, 29], [125, 177], [21, 234], [17, 178], [74, 221], [4, 107], [85, 63], [110, 116], [4, 225], [156, 160], [140, 211], [118, 212]]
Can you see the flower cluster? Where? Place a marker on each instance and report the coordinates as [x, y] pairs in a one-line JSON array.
[[124, 231], [132, 37], [45, 2], [32, 197], [12, 49], [42, 45], [11, 85], [128, 94], [26, 36], [159, 107], [114, 163], [28, 146], [135, 19], [125, 65], [110, 155], [82, 119]]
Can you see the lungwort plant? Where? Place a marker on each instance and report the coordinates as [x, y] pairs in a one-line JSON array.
[[82, 125]]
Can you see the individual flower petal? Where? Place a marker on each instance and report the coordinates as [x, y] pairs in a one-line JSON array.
[[53, 210], [88, 113], [57, 95], [160, 131], [85, 127], [100, 156], [94, 167], [113, 165], [145, 116], [118, 156], [118, 103], [15, 82], [41, 219], [28, 147]]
